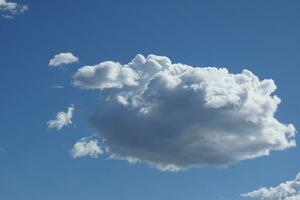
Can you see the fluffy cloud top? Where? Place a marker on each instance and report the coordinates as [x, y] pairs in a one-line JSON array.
[[12, 7], [63, 59], [289, 190], [174, 116], [105, 75], [86, 147], [62, 119]]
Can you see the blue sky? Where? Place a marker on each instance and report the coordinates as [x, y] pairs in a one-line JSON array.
[[35, 163]]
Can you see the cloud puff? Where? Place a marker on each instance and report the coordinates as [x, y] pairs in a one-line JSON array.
[[174, 116], [12, 8], [105, 75], [63, 59], [62, 119], [86, 147], [289, 190]]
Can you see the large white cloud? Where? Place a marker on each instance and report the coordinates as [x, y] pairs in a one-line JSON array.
[[62, 59], [174, 116], [62, 119], [86, 147], [12, 8], [289, 190]]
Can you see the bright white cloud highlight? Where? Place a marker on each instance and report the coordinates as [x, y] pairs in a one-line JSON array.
[[63, 59], [62, 119], [105, 75], [289, 190], [86, 147], [12, 8], [174, 116]]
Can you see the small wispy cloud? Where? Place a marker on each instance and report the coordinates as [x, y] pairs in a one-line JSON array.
[[289, 190], [86, 147], [10, 9], [63, 59], [62, 119], [57, 87]]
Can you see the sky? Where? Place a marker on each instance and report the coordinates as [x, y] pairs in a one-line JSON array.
[[142, 126]]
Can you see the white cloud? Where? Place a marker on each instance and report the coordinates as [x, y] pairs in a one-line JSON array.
[[86, 147], [105, 75], [289, 190], [174, 116], [12, 8], [63, 59], [62, 119]]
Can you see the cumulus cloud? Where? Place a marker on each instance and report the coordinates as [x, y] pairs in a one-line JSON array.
[[62, 119], [63, 59], [175, 116], [86, 147], [105, 75], [289, 190], [12, 8]]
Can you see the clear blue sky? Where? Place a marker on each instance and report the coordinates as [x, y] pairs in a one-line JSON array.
[[262, 36]]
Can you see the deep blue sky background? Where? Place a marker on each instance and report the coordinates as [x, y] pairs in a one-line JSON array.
[[262, 36]]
